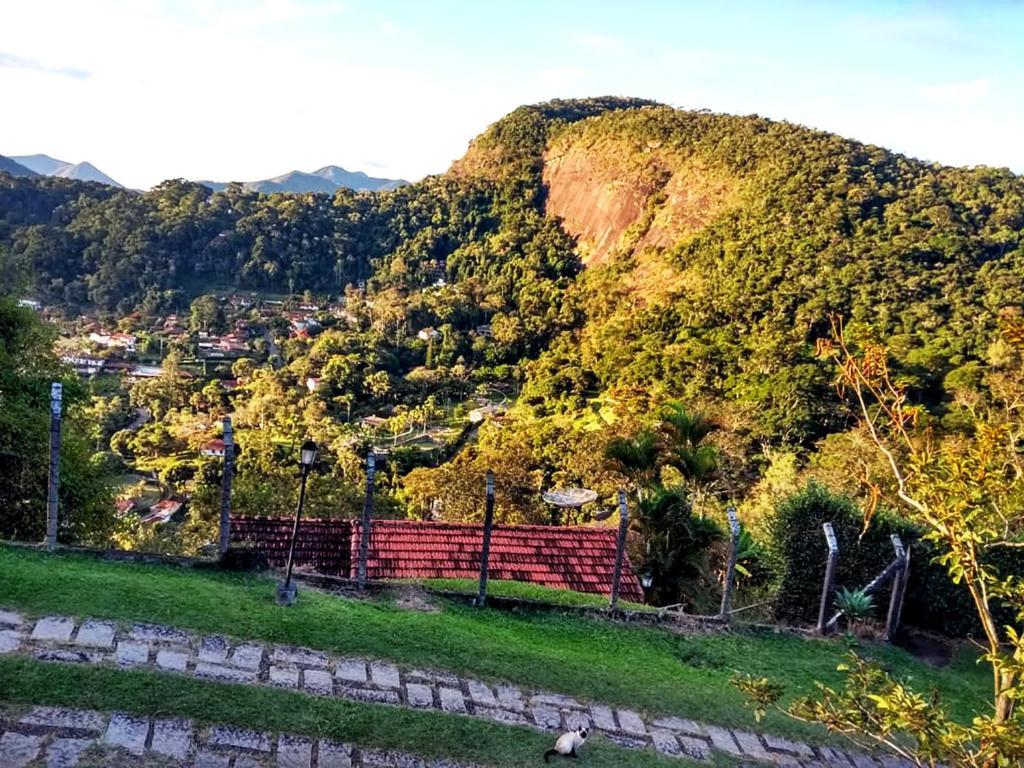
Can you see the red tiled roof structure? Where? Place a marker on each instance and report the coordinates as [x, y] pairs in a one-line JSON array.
[[581, 559]]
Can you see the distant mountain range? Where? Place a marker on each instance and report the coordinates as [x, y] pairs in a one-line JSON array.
[[326, 179], [15, 169], [49, 166]]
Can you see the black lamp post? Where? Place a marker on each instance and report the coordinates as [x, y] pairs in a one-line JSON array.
[[287, 592], [646, 580]]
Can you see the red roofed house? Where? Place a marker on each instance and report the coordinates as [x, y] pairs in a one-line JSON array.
[[213, 448], [576, 558]]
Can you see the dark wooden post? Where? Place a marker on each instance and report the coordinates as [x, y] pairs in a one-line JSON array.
[[730, 570], [364, 544], [225, 487], [892, 617], [53, 487], [830, 577], [485, 553], [620, 549]]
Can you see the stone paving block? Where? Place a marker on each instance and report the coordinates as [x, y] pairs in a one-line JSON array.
[[631, 722], [69, 657], [213, 649], [74, 719], [835, 757], [891, 761], [127, 732], [419, 695], [694, 748], [96, 634], [131, 654], [158, 633], [172, 738], [331, 754], [284, 677], [11, 619], [247, 656], [351, 670], [547, 717], [780, 744], [66, 753], [318, 681], [665, 742], [206, 759], [510, 697], [10, 640], [225, 674], [751, 745], [241, 738], [379, 758], [627, 741], [248, 761], [174, 661], [19, 749], [303, 657], [481, 694], [384, 675], [501, 715], [451, 699], [556, 700], [574, 720], [722, 740], [680, 725], [293, 752], [371, 695], [54, 629], [603, 717], [445, 678]]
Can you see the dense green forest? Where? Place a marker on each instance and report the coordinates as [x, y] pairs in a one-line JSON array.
[[744, 237]]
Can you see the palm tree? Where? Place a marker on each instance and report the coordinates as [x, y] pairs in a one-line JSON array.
[[685, 434], [635, 457]]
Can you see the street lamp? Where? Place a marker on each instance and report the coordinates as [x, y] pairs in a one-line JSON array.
[[287, 592], [646, 580]]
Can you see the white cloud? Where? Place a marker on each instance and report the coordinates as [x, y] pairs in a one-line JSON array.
[[10, 61], [957, 94]]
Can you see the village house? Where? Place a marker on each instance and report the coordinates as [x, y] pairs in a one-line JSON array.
[[214, 448], [113, 340], [163, 511], [428, 333]]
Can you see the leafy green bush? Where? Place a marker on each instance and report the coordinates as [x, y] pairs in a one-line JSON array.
[[856, 604]]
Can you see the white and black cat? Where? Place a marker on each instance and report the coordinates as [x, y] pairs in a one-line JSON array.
[[568, 744]]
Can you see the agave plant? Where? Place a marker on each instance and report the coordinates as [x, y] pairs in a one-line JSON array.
[[856, 604]]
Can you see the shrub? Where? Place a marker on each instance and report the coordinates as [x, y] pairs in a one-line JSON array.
[[856, 604]]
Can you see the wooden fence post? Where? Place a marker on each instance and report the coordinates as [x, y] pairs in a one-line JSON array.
[[620, 549], [892, 617], [53, 487], [730, 571], [364, 544], [225, 488], [830, 577], [485, 552]]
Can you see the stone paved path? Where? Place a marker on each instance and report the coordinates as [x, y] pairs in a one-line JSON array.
[[65, 738], [223, 659]]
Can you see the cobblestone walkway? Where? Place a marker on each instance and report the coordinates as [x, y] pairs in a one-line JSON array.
[[64, 738], [219, 658]]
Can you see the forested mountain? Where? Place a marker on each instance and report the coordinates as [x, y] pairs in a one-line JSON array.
[[616, 245], [45, 165], [326, 179], [7, 165]]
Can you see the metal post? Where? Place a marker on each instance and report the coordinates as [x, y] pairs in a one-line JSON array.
[[620, 549], [730, 571], [903, 588], [286, 593], [56, 397], [830, 577], [364, 544], [485, 553], [891, 618], [225, 488]]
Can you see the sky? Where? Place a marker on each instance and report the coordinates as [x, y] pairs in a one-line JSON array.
[[153, 89]]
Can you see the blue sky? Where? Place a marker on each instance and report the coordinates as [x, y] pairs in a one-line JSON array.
[[153, 89]]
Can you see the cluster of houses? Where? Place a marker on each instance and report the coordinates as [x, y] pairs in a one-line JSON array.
[[160, 512]]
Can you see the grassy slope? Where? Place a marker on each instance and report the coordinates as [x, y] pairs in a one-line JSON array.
[[523, 591], [25, 682], [648, 669]]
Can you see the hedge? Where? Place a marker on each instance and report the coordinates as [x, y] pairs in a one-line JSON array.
[[799, 553]]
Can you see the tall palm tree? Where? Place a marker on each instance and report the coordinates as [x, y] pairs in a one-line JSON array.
[[635, 457], [685, 433]]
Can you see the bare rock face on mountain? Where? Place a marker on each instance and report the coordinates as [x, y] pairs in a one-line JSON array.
[[7, 165]]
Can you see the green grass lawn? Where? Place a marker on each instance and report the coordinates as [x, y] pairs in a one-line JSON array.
[[523, 591], [650, 669], [24, 682]]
